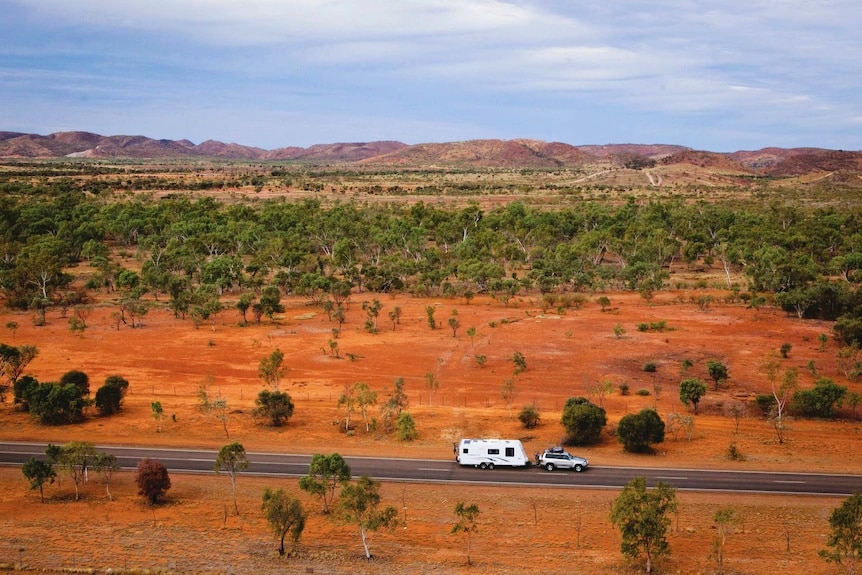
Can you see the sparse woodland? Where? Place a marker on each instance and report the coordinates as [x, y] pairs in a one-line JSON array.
[[94, 251]]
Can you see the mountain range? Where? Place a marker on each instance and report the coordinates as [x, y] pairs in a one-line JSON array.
[[517, 153]]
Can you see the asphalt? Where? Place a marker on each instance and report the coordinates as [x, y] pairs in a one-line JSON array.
[[449, 471]]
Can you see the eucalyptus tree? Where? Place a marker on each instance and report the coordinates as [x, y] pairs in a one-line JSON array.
[[232, 459]]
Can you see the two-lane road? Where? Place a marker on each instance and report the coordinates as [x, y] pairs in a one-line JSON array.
[[435, 471]]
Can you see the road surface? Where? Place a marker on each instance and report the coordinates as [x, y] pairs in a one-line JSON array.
[[443, 471]]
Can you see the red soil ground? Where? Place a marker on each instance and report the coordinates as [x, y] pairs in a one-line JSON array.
[[520, 529]]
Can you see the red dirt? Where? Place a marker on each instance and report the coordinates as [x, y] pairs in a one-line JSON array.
[[567, 354]]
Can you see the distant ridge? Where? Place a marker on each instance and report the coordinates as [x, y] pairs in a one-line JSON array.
[[517, 153]]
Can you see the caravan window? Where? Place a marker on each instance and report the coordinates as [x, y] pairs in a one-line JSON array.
[[493, 451], [465, 450], [510, 452]]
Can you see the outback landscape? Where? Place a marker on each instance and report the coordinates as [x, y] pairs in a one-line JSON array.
[[625, 342]]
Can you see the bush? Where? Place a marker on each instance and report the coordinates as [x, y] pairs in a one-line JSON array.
[[77, 378], [406, 427], [21, 388], [56, 404], [637, 431], [733, 452], [109, 397], [152, 479], [820, 401], [583, 421], [277, 406], [529, 416], [650, 367], [108, 400], [643, 392], [624, 388], [653, 326]]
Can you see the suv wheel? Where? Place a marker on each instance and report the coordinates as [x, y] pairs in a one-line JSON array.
[[579, 467], [550, 466]]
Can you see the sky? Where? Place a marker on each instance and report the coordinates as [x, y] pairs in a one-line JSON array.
[[719, 75]]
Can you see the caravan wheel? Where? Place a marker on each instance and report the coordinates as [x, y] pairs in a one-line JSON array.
[[490, 466], [483, 465]]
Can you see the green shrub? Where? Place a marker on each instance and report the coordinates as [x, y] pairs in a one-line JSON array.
[[643, 392], [583, 421], [733, 452], [650, 367], [637, 431]]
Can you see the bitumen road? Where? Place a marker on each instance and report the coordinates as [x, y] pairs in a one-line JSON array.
[[449, 471]]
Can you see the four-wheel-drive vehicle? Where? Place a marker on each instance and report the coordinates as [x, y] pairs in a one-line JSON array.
[[557, 458]]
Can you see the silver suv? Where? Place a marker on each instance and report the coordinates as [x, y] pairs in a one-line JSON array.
[[556, 457]]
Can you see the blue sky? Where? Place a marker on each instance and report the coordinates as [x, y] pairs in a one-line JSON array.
[[719, 75]]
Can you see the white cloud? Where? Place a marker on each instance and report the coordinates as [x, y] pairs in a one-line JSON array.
[[743, 60]]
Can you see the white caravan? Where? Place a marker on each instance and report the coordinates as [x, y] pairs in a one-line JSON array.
[[489, 453]]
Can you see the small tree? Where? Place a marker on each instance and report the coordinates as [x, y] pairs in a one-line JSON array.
[[232, 459], [395, 316], [465, 524], [105, 465], [583, 421], [637, 431], [508, 392], [781, 393], [271, 369], [727, 520], [284, 514], [736, 410], [393, 406], [365, 398], [325, 474], [152, 480], [276, 406], [454, 324], [529, 416], [429, 312], [372, 310], [75, 459], [604, 301], [643, 518], [158, 414], [845, 538], [718, 372], [347, 400], [691, 390], [38, 473], [432, 384], [360, 505]]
